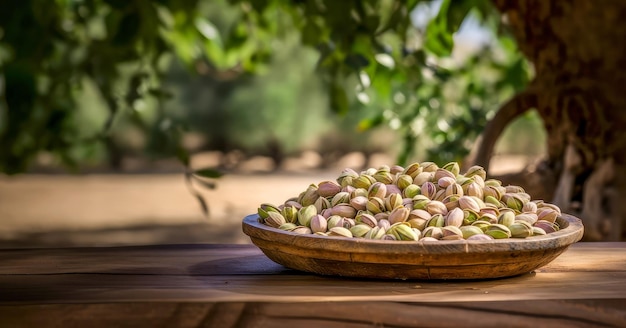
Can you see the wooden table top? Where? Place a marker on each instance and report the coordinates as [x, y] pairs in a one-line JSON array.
[[236, 285]]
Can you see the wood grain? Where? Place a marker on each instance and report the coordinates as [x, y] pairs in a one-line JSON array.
[[238, 286], [538, 313]]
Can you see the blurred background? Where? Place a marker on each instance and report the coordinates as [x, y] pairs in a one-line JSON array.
[[144, 122]]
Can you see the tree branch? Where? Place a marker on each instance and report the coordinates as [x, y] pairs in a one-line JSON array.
[[515, 107]]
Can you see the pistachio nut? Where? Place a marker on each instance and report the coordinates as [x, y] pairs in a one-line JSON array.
[[377, 189], [274, 219], [339, 232], [366, 218], [344, 210], [328, 188], [399, 214], [360, 230], [287, 226], [393, 201], [359, 203], [454, 218], [319, 223], [498, 231], [411, 191], [404, 181], [305, 214], [375, 205], [469, 231], [265, 208], [413, 170], [423, 177]]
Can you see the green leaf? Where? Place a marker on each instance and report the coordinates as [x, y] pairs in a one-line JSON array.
[[338, 99], [183, 156], [208, 173], [438, 38]]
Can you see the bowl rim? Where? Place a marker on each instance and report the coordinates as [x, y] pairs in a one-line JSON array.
[[561, 238]]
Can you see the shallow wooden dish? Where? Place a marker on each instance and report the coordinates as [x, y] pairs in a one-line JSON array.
[[451, 259]]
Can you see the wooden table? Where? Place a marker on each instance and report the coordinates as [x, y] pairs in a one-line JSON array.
[[237, 286]]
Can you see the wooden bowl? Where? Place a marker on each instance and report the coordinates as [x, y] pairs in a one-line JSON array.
[[380, 259]]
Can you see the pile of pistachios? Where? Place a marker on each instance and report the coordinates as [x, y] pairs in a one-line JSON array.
[[420, 202]]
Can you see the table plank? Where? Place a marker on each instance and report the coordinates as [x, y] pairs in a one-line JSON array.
[[536, 313], [241, 273], [209, 259]]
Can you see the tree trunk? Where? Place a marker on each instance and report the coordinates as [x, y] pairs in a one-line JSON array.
[[579, 53]]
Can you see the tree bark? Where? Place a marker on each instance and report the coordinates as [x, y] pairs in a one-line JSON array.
[[578, 51]]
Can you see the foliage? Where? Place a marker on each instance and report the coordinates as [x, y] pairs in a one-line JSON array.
[[372, 58]]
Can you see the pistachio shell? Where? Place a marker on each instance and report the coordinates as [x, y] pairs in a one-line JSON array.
[[420, 202], [328, 188], [506, 218], [411, 191], [290, 213], [452, 231], [377, 189], [538, 231], [339, 232], [319, 223], [434, 232], [396, 169], [469, 231], [476, 170], [305, 214], [360, 230], [436, 207], [527, 217], [404, 181], [302, 230], [367, 219], [428, 239], [483, 225], [309, 196], [375, 205], [389, 237], [498, 231], [321, 204], [335, 221], [436, 220], [275, 219], [347, 173], [287, 226], [422, 178], [453, 167], [399, 214], [384, 224], [521, 229], [344, 210], [429, 166], [469, 203], [384, 177], [265, 208], [480, 237], [342, 197], [363, 181], [413, 170], [446, 181], [440, 173], [454, 218], [393, 201], [359, 203], [429, 190], [375, 233], [381, 216]]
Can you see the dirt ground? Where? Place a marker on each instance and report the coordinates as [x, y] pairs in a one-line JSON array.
[[142, 209]]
